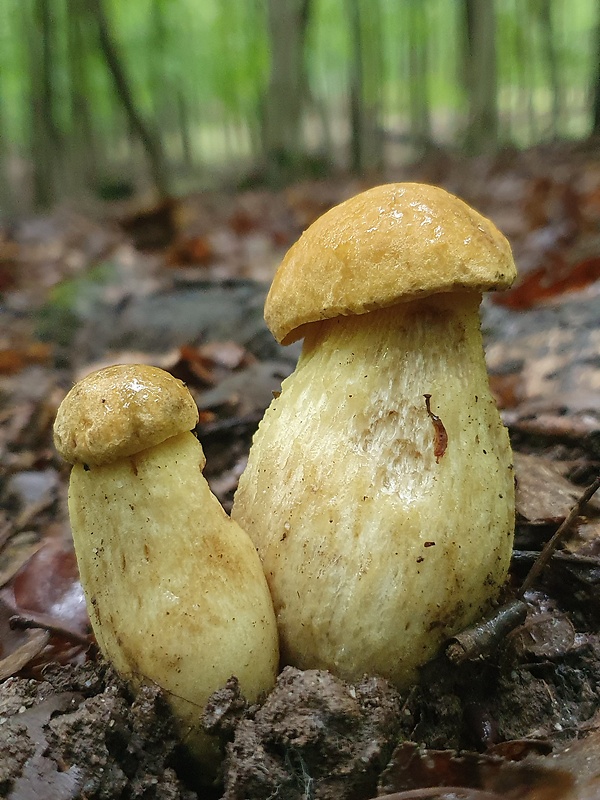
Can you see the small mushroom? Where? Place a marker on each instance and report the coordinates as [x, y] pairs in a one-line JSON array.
[[174, 588], [379, 487]]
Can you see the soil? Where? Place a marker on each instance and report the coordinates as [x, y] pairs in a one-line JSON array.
[[79, 733]]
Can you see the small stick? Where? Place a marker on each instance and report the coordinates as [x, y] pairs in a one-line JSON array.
[[26, 622], [482, 637], [552, 543], [529, 556]]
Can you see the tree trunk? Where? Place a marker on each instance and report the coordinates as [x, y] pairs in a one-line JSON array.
[[525, 64], [365, 80], [481, 76], [544, 12], [284, 104], [373, 65], [139, 127], [420, 119], [596, 86], [183, 121], [356, 91], [84, 151], [46, 143]]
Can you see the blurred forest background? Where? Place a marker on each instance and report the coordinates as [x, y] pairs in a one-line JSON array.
[[106, 99]]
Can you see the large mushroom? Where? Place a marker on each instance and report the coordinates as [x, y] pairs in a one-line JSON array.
[[379, 486], [174, 588]]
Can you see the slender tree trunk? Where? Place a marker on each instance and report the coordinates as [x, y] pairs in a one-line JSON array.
[[85, 156], [596, 85], [356, 88], [365, 79], [420, 118], [373, 84], [46, 143], [544, 11], [481, 77], [6, 194], [183, 120], [284, 105], [524, 61], [139, 126]]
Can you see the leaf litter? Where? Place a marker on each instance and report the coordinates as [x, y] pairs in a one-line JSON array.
[[517, 718]]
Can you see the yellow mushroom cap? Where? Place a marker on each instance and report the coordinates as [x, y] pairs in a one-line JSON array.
[[119, 411], [390, 244]]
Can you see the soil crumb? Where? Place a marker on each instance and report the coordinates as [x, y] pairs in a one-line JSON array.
[[315, 736]]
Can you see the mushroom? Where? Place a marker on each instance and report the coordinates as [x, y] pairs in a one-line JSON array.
[[174, 588], [379, 487]]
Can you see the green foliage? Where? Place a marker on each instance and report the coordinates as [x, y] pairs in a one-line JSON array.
[[199, 73], [68, 303]]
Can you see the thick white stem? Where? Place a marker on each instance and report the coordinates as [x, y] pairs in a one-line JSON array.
[[377, 539]]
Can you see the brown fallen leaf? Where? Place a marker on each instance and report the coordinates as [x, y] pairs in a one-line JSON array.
[[211, 363], [569, 774], [545, 635], [579, 429], [45, 597], [415, 772], [543, 494], [153, 227], [48, 584], [542, 284], [16, 553], [190, 251], [582, 760], [17, 648], [14, 359]]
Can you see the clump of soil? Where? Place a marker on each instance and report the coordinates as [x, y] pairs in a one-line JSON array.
[[315, 736], [319, 737], [79, 733]]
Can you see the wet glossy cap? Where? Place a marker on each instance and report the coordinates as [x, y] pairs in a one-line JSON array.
[[390, 244], [119, 411]]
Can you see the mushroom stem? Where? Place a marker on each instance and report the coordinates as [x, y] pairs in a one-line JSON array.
[[378, 538]]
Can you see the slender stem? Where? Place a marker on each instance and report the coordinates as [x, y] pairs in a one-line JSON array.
[[33, 621], [552, 543]]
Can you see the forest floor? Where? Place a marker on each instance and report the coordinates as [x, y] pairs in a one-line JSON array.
[[181, 285]]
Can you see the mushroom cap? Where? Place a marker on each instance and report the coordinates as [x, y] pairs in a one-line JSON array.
[[119, 411], [390, 244]]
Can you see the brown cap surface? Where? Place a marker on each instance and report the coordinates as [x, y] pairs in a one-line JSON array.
[[119, 411], [387, 245]]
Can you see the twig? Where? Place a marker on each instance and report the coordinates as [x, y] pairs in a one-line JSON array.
[[552, 543], [528, 556], [482, 637], [23, 621]]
